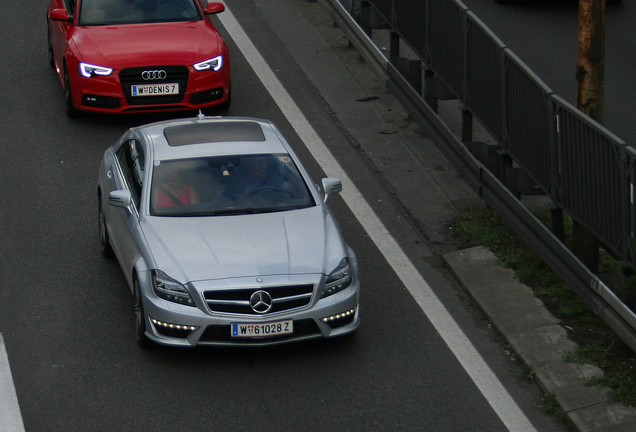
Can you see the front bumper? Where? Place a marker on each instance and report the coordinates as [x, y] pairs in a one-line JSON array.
[[112, 94], [171, 324]]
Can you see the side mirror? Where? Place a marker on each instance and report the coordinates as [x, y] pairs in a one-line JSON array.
[[214, 8], [60, 15], [120, 198], [331, 186]]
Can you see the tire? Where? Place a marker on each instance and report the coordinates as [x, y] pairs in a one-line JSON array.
[[140, 317], [71, 111], [51, 57], [104, 238]]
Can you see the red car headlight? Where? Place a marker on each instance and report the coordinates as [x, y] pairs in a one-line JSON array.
[[214, 64], [89, 70]]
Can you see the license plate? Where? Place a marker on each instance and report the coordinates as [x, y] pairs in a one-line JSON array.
[[155, 89], [252, 330]]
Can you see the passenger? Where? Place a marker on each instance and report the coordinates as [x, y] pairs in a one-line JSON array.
[[172, 192]]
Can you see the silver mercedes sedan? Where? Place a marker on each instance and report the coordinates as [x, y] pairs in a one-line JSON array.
[[223, 236]]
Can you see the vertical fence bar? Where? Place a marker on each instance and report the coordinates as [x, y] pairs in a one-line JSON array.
[[484, 78], [593, 182], [528, 123]]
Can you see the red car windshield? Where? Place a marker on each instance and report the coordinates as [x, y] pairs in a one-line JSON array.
[[111, 12]]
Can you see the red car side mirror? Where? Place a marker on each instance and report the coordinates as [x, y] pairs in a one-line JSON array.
[[60, 15], [214, 8]]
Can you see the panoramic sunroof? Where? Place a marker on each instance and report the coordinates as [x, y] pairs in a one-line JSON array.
[[201, 133]]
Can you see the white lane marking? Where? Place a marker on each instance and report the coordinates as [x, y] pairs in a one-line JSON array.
[[10, 417], [481, 374]]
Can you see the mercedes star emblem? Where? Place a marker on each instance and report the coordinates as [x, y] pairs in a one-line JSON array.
[[261, 302]]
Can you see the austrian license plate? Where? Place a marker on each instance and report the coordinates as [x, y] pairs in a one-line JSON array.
[[250, 330], [155, 89]]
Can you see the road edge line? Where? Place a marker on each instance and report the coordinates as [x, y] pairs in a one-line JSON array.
[[10, 416]]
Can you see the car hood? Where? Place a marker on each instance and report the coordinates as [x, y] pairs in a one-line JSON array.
[[158, 44], [282, 243]]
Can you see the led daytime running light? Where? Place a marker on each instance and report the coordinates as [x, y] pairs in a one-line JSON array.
[[173, 326], [338, 316]]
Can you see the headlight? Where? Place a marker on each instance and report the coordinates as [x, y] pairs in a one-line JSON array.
[[215, 64], [338, 279], [169, 289], [89, 70]]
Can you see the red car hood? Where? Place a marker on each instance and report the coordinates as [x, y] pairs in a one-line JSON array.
[[148, 44]]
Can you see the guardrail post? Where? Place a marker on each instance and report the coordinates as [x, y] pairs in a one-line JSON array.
[[365, 18], [467, 125], [394, 47], [558, 229], [435, 90], [429, 94], [507, 173]]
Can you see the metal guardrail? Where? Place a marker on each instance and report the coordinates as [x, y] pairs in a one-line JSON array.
[[519, 110], [536, 128]]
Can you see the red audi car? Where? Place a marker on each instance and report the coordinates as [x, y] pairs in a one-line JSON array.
[[126, 56]]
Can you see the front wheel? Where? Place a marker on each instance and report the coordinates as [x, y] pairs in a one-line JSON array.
[[51, 55], [71, 111], [140, 317], [104, 238]]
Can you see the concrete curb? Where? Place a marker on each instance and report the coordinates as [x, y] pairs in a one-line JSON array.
[[539, 340]]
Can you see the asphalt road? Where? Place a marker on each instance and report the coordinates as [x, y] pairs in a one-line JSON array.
[[66, 313], [544, 34]]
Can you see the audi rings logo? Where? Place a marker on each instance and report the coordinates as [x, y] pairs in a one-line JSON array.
[[150, 75], [261, 302]]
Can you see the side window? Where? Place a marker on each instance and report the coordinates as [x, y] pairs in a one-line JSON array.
[[137, 158], [131, 159]]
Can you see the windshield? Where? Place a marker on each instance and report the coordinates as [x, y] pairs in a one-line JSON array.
[[227, 185], [110, 12]]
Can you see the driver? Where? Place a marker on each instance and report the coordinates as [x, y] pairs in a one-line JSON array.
[[168, 9], [252, 175], [93, 12]]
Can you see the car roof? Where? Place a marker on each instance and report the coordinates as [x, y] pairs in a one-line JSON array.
[[209, 136]]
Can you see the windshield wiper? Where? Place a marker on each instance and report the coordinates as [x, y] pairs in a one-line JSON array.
[[232, 211], [249, 210]]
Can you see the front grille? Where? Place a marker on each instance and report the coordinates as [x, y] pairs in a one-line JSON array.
[[222, 333], [174, 74], [237, 301]]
